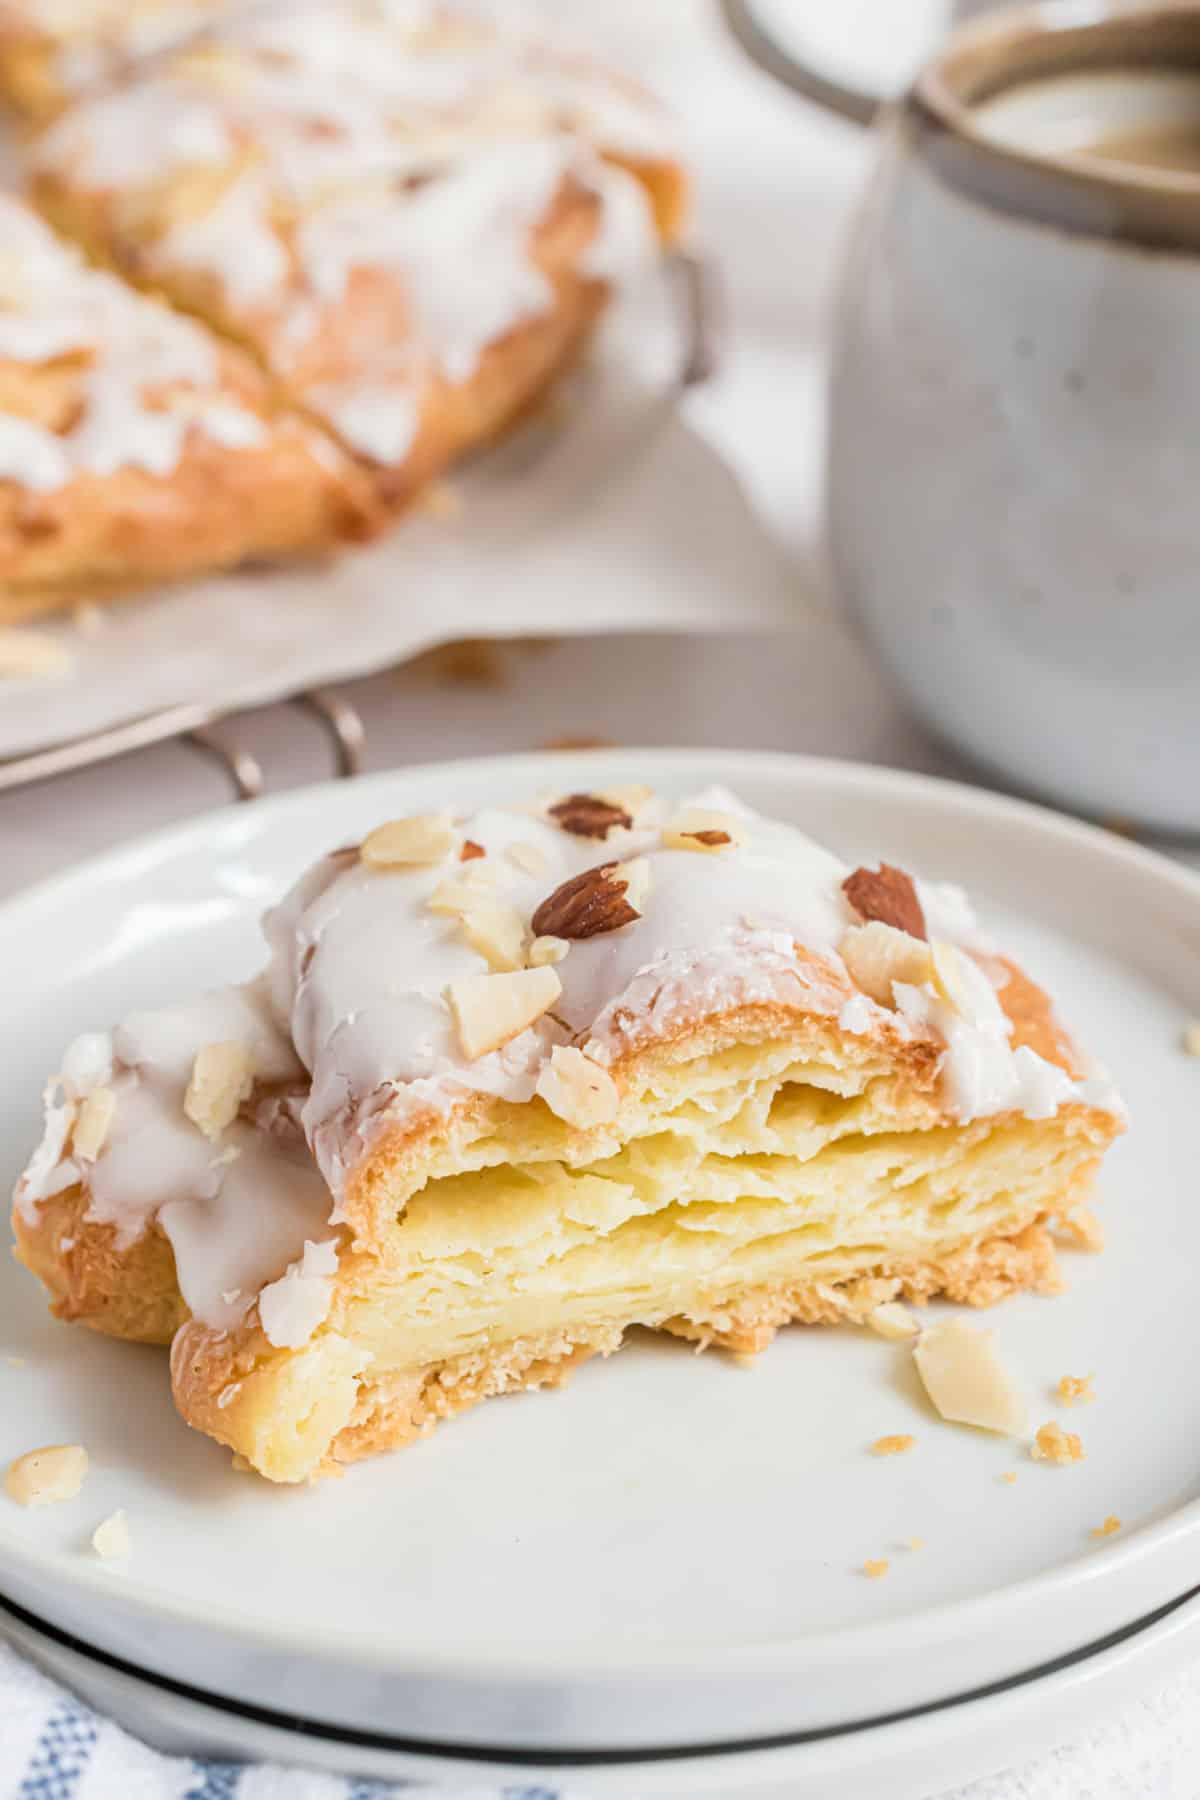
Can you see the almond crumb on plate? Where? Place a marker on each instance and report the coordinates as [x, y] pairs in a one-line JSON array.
[[1009, 1477], [965, 1379], [111, 1539], [32, 653], [47, 1476], [914, 1543], [1191, 1039], [1111, 1524], [15, 1362], [875, 1567], [893, 1446], [892, 1320], [1076, 1390], [1054, 1445]]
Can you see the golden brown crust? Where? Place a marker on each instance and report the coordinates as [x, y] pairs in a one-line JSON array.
[[130, 1293]]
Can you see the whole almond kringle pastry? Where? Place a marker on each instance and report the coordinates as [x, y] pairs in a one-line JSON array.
[[134, 446], [411, 211], [561, 1071]]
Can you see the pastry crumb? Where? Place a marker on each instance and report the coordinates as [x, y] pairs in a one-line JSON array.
[[1076, 1390], [47, 1476], [914, 1543], [1111, 1524], [111, 1539], [875, 1567], [1191, 1039], [1082, 1230], [1054, 1445], [1008, 1477], [15, 1362], [31, 653], [893, 1446]]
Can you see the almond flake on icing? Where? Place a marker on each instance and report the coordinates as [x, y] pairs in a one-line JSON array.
[[424, 838], [705, 830], [222, 1079], [577, 1089], [877, 955], [531, 859], [965, 1379], [497, 931], [92, 1123], [490, 1010], [545, 950]]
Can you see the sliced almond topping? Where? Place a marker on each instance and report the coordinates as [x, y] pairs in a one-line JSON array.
[[632, 797], [471, 851], [878, 954], [587, 815], [497, 931], [531, 859], [578, 1089], [951, 978], [891, 1320], [1054, 1445], [423, 838], [545, 950], [491, 1009], [92, 1123], [636, 876], [697, 829], [886, 894], [966, 1380], [44, 1477], [222, 1077], [586, 905], [111, 1539]]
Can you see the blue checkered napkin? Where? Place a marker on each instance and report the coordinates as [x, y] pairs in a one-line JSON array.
[[53, 1747]]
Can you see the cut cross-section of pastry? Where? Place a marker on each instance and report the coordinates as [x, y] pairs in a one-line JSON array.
[[136, 447], [51, 50], [412, 214], [754, 1086]]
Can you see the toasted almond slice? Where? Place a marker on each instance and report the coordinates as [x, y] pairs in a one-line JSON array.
[[878, 954], [578, 1089], [497, 931], [531, 859], [111, 1539], [491, 1009], [222, 1077], [92, 1123], [46, 1476], [966, 1380], [545, 950], [891, 1320], [423, 838], [636, 875], [698, 829]]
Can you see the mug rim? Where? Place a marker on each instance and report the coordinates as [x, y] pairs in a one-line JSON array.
[[1152, 207]]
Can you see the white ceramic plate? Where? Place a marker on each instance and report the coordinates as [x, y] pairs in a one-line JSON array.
[[669, 1552]]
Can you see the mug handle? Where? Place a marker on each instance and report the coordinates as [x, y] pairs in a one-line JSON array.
[[855, 104]]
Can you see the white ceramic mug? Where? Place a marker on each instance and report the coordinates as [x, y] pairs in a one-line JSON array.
[[1014, 474]]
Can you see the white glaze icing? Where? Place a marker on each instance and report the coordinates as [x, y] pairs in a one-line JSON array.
[[143, 369], [416, 138], [352, 1011]]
